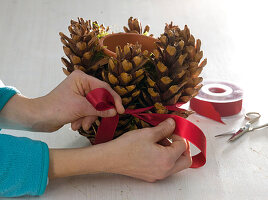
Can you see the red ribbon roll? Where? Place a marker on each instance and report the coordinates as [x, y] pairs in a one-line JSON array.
[[218, 99], [102, 100]]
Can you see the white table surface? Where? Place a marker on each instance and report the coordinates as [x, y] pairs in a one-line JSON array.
[[234, 39]]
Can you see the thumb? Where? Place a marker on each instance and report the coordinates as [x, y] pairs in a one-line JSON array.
[[106, 113], [88, 109], [163, 130]]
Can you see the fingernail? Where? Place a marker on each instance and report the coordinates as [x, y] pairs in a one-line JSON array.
[[111, 112], [171, 122], [122, 110]]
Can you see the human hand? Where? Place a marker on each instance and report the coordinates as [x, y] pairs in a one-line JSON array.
[[138, 153], [67, 103]]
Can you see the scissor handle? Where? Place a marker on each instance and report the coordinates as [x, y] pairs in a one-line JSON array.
[[252, 117], [259, 127]]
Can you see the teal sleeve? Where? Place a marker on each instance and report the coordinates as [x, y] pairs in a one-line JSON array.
[[24, 166], [5, 94], [24, 162]]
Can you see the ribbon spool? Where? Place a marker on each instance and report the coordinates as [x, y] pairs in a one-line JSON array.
[[218, 99]]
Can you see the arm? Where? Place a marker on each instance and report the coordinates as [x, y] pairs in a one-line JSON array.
[[23, 166], [21, 113], [65, 104], [24, 162], [136, 154]]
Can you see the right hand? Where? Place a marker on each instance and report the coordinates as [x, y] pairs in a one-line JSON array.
[[138, 153]]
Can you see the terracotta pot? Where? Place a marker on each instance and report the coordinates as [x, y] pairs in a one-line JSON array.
[[112, 40]]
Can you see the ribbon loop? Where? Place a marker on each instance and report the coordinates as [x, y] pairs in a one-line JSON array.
[[102, 100]]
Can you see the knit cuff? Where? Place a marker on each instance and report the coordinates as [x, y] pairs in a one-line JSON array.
[[5, 94], [44, 175], [24, 166]]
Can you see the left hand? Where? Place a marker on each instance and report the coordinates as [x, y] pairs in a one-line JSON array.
[[67, 102]]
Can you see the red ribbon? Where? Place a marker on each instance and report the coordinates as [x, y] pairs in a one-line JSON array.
[[102, 100], [215, 110]]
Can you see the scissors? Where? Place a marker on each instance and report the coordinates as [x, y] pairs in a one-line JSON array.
[[252, 117]]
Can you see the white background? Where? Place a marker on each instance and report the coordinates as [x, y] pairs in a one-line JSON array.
[[234, 39]]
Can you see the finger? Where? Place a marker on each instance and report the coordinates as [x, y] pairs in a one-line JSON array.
[[163, 130], [106, 113], [188, 150], [87, 122], [165, 142], [96, 83], [117, 99], [175, 137], [76, 124], [85, 83], [82, 82], [177, 148], [87, 109], [184, 162]]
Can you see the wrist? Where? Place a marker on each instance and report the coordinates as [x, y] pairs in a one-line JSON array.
[[100, 158], [42, 115], [17, 113], [23, 113], [112, 159], [71, 162]]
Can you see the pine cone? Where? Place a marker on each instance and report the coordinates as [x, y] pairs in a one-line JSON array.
[[168, 75], [83, 48], [134, 26], [124, 74], [173, 75]]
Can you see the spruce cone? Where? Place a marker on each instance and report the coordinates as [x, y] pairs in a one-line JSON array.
[[173, 77], [83, 48], [134, 26]]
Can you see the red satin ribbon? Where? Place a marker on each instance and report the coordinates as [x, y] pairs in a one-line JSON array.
[[102, 100], [215, 110]]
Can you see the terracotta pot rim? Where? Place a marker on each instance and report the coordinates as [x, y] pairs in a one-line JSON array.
[[109, 52]]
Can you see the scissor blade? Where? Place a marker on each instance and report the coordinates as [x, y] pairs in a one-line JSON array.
[[226, 134], [238, 134]]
